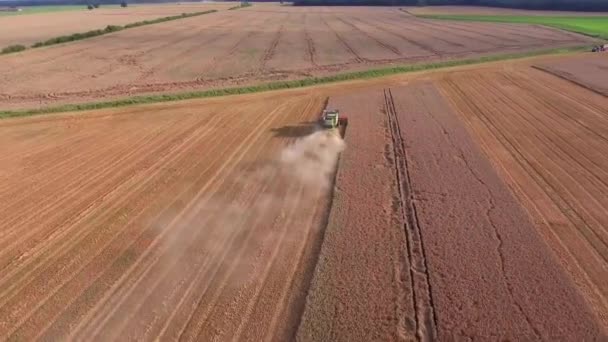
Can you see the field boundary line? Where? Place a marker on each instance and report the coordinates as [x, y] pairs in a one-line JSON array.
[[279, 85], [99, 32], [559, 75]]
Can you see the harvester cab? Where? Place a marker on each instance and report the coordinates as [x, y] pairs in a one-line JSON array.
[[332, 119]]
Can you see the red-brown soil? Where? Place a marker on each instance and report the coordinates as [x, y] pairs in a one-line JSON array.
[[181, 221], [589, 70], [277, 43], [32, 28]]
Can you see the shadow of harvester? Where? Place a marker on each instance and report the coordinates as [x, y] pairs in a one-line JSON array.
[[295, 131]]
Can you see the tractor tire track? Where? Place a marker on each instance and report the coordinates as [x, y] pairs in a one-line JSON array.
[[426, 322]]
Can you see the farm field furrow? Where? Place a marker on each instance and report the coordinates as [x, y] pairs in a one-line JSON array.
[[590, 71], [187, 220], [547, 138], [32, 28], [278, 43]]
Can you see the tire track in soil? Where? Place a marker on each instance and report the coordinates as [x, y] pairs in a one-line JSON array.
[[146, 74], [270, 51], [357, 57], [215, 61], [426, 321], [463, 36], [410, 26], [310, 44], [387, 46], [425, 47]]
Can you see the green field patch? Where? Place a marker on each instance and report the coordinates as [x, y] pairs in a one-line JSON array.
[[594, 26]]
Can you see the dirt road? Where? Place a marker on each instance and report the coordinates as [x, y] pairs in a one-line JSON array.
[[277, 43], [188, 221]]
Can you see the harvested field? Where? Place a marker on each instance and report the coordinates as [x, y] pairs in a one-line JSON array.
[[589, 71], [480, 10], [32, 28], [187, 221], [279, 43], [444, 250]]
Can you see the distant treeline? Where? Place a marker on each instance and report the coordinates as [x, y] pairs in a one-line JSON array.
[[20, 3], [563, 5]]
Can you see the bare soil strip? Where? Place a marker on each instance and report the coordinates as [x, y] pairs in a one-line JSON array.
[[279, 43], [426, 321]]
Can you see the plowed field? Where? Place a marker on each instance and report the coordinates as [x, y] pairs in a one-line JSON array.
[[276, 43], [32, 28], [192, 222]]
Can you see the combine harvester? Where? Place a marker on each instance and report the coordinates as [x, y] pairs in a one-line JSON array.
[[332, 120]]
